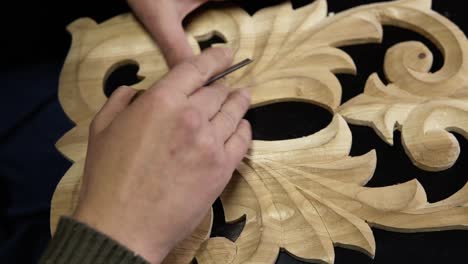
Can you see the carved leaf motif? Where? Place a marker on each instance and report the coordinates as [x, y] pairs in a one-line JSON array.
[[282, 213], [294, 57], [307, 198], [423, 105]]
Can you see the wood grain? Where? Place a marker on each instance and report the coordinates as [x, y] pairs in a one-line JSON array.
[[303, 195]]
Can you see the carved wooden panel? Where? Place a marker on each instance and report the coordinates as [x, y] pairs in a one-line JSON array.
[[304, 195]]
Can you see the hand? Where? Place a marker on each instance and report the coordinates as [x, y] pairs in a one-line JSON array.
[[155, 166], [163, 20]]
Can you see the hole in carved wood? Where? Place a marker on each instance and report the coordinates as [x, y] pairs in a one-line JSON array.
[[394, 167], [352, 256], [300, 3], [210, 39], [287, 120], [221, 228], [430, 247], [410, 245], [285, 257], [451, 10], [252, 7], [123, 73], [340, 5]]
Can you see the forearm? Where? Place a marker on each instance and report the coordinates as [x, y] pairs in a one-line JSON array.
[[75, 242]]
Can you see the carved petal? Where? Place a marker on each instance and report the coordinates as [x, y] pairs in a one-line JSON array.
[[329, 144], [380, 107], [65, 198], [281, 215], [238, 200], [218, 250], [186, 250], [344, 228], [75, 142]]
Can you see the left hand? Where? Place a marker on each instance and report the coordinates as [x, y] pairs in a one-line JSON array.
[[163, 20]]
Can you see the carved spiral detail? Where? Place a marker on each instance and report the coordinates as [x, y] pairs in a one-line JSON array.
[[426, 106], [404, 59], [445, 35], [425, 136]]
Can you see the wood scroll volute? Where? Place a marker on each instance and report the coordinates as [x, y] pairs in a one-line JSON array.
[[425, 106], [303, 195]]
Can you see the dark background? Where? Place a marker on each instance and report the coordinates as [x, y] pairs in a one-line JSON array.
[[34, 44]]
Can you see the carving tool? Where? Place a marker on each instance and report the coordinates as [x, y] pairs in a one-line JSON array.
[[213, 79], [229, 70]]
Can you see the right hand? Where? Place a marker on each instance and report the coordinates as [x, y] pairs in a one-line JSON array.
[[155, 166]]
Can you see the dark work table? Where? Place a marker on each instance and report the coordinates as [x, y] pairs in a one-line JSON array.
[[33, 48]]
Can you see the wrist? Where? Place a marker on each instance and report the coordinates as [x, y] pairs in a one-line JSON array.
[[115, 229], [77, 241]]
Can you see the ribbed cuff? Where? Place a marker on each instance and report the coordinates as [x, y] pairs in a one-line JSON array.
[[75, 242]]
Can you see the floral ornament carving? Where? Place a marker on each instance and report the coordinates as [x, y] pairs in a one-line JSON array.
[[306, 198], [303, 195], [425, 106]]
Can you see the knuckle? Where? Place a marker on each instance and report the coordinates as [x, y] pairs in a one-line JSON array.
[[241, 141], [217, 160], [190, 119], [161, 99], [242, 102], [208, 149], [197, 71], [223, 53], [206, 144], [94, 126], [229, 119], [221, 92]]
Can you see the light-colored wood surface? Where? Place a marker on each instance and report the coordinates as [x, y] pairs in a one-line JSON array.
[[303, 195]]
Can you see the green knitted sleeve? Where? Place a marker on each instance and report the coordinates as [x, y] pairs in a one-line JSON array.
[[75, 242]]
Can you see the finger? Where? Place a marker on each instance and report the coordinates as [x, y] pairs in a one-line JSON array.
[[163, 19], [189, 6], [210, 99], [227, 119], [170, 36], [193, 73], [116, 103], [237, 145]]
